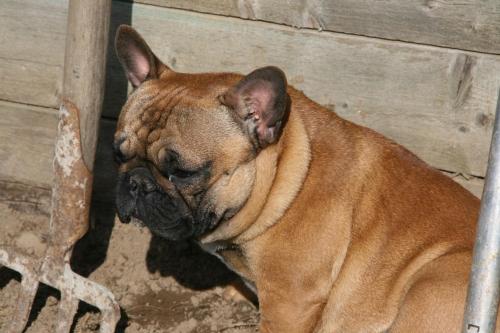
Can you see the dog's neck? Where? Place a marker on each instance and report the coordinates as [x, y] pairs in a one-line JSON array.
[[280, 174]]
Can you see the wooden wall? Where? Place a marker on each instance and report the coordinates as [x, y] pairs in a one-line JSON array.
[[425, 73]]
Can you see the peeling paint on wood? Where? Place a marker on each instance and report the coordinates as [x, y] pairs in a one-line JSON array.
[[65, 154]]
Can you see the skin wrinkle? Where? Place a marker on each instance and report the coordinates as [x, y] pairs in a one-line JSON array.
[[134, 107], [172, 98]]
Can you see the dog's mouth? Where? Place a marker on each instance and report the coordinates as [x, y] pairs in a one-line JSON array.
[[142, 201]]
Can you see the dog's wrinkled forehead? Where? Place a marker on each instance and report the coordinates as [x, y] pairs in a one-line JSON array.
[[182, 112]]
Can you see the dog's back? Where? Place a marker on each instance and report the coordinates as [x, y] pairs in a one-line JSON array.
[[410, 236]]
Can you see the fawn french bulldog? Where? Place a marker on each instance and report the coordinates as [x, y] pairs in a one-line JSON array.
[[335, 227]]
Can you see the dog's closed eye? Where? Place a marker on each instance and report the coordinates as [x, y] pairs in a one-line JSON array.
[[182, 174]]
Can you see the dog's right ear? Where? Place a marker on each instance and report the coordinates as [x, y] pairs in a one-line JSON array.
[[261, 101], [138, 61]]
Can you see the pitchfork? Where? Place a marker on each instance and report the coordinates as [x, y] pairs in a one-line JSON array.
[[83, 87], [68, 223]]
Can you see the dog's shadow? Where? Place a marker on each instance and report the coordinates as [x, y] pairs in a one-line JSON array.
[[190, 266]]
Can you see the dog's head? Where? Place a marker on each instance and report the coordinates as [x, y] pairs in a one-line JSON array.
[[186, 143]]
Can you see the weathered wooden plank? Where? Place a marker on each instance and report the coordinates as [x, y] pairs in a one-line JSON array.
[[32, 46], [438, 102], [473, 184], [466, 24], [27, 138], [32, 37]]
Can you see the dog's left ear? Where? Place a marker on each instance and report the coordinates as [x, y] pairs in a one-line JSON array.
[[137, 59], [261, 101]]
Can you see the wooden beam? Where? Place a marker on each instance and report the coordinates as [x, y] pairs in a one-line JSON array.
[[469, 25], [27, 138], [84, 67]]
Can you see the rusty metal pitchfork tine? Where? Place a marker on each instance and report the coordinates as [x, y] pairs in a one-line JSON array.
[[29, 286], [69, 222]]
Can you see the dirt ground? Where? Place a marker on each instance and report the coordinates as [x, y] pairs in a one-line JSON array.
[[161, 286]]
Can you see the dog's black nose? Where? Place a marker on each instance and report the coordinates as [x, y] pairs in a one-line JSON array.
[[141, 181], [140, 184], [133, 186]]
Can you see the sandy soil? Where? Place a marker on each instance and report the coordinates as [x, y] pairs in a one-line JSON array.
[[161, 286]]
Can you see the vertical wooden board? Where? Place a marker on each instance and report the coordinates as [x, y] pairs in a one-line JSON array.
[[438, 102], [116, 86], [84, 67], [468, 24], [32, 34]]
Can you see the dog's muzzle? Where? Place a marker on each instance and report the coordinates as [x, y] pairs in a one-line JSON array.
[[164, 212]]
